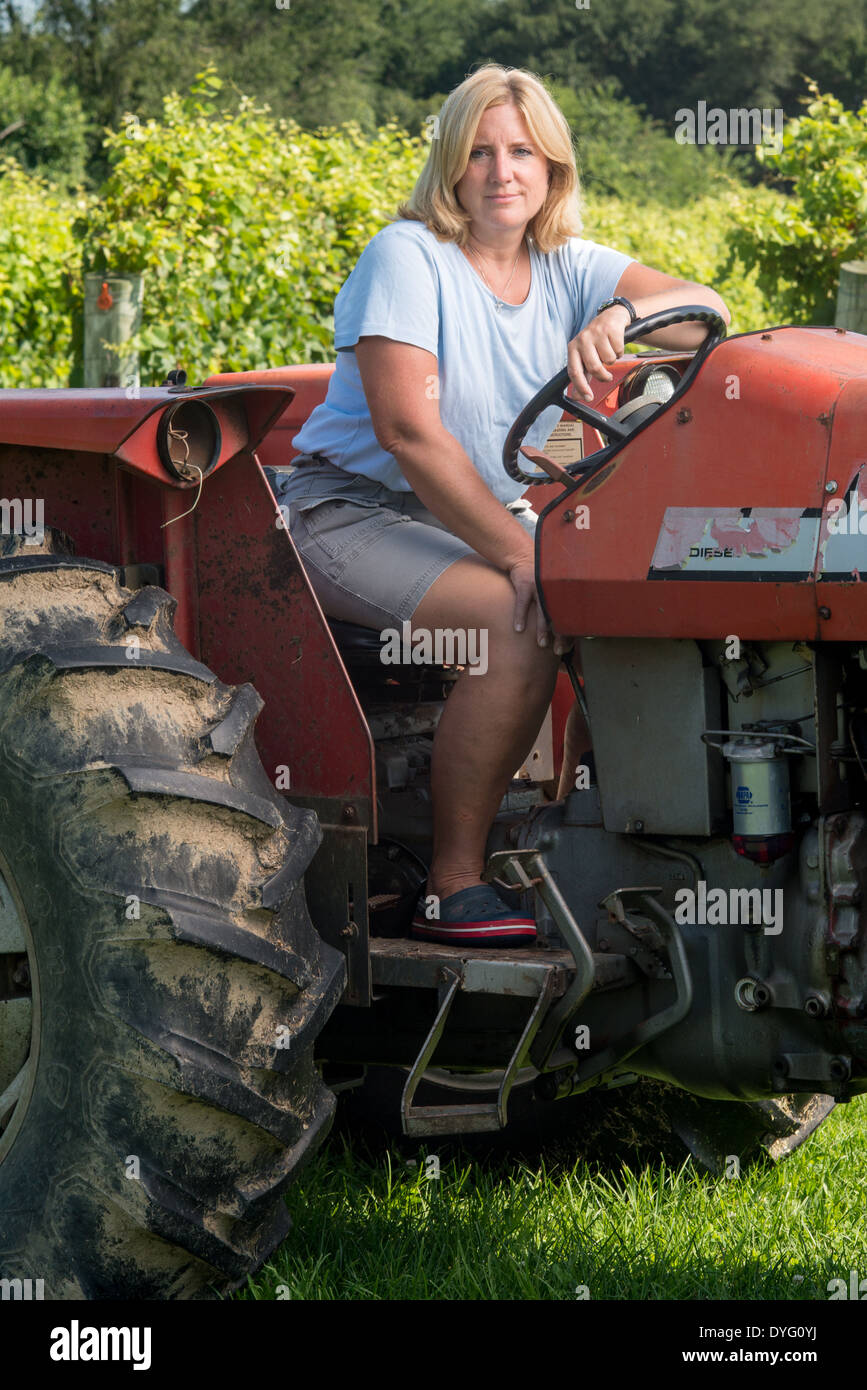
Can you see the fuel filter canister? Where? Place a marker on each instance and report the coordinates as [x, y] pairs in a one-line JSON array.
[[761, 803]]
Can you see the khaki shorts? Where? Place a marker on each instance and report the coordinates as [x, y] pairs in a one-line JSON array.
[[370, 554]]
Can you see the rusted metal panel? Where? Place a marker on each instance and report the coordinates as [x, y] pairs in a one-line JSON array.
[[260, 621], [77, 490], [181, 570], [231, 559]]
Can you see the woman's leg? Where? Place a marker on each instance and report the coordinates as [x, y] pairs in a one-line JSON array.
[[576, 742], [489, 721]]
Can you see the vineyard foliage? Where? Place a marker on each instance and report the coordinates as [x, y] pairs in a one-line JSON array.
[[245, 226]]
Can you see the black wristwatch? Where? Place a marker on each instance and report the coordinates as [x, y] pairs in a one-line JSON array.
[[619, 300]]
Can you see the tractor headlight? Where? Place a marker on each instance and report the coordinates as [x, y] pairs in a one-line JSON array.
[[189, 439], [655, 381]]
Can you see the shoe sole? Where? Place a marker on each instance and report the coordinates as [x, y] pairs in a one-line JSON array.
[[509, 933]]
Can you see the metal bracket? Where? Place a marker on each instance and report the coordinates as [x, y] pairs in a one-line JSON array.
[[644, 900], [649, 953], [526, 868], [339, 867], [136, 576]]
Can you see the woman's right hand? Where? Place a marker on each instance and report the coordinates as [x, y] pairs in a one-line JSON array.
[[522, 575]]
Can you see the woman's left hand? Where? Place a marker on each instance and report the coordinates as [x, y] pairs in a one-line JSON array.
[[596, 347]]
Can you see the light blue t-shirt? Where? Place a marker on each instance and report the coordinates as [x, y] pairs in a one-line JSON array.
[[412, 287]]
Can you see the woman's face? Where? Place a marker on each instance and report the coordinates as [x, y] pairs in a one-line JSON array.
[[506, 179]]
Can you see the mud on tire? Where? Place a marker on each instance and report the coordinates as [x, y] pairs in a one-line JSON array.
[[173, 982]]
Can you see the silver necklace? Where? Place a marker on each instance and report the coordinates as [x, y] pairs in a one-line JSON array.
[[499, 298]]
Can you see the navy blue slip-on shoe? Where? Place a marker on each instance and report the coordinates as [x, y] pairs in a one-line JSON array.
[[474, 917]]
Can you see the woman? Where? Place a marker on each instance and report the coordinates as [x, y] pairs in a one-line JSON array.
[[456, 313]]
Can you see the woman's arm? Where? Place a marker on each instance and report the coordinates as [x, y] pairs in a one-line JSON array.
[[601, 342], [404, 410]]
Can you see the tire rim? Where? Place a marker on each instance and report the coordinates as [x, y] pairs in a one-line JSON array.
[[19, 1011]]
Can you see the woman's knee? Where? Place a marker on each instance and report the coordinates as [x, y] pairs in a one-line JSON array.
[[480, 599]]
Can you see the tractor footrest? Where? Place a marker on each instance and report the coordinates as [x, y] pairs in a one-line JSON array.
[[405, 963]]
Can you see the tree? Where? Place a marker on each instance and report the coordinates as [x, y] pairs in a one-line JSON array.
[[120, 55], [798, 243], [43, 125], [325, 62], [665, 54], [624, 154], [316, 63]]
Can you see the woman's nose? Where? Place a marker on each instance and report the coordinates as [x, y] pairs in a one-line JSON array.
[[501, 168]]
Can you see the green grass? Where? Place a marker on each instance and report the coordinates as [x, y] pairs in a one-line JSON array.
[[370, 1227]]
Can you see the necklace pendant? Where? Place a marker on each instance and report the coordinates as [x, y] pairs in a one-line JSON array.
[[498, 306]]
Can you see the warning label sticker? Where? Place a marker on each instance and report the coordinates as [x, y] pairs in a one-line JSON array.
[[565, 443]]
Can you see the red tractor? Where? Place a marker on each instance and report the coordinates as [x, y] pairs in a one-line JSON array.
[[215, 809]]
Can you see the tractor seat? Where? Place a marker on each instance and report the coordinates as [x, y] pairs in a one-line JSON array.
[[362, 652], [364, 646], [355, 642]]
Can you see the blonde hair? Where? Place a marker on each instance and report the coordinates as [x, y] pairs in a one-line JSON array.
[[433, 199]]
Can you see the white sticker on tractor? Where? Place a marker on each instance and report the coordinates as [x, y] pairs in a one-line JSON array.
[[843, 543], [739, 543]]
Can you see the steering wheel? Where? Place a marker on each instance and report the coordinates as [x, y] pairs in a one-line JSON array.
[[614, 429]]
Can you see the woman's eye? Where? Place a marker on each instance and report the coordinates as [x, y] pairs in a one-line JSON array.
[[476, 155]]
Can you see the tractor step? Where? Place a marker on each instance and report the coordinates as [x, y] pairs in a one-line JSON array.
[[403, 961], [534, 974], [476, 976]]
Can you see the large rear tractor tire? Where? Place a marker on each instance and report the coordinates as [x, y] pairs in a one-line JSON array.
[[161, 983]]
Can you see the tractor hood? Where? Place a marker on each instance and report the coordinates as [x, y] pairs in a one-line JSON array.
[[740, 508]]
